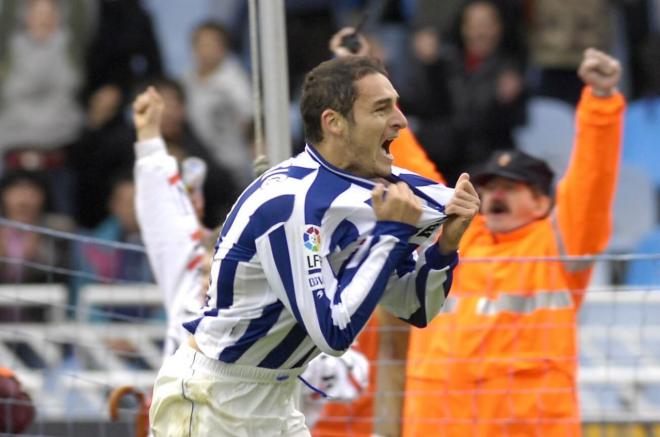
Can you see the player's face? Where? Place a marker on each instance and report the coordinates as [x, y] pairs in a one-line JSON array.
[[375, 123], [509, 205]]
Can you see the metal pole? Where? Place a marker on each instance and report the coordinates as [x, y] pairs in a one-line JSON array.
[[275, 76], [256, 80]]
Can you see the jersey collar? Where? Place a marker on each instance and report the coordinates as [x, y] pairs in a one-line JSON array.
[[316, 156], [366, 183]]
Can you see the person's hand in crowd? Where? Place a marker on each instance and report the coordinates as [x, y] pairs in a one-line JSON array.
[[509, 86], [398, 204], [461, 209], [104, 104], [426, 45], [340, 51], [600, 71], [147, 114]]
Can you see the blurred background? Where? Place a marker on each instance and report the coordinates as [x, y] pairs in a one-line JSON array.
[[79, 313]]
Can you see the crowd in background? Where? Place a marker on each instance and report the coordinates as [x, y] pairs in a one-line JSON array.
[[466, 72]]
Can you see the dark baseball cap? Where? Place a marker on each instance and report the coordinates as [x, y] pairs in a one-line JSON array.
[[516, 165]]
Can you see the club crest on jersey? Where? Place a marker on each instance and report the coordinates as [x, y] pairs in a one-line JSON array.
[[312, 238]]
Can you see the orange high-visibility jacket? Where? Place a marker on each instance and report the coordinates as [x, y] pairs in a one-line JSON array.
[[356, 418], [409, 154], [501, 359]]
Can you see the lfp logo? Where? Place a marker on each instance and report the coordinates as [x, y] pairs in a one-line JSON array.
[[312, 238]]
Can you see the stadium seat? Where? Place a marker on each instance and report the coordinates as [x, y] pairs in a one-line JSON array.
[[640, 137], [33, 303], [120, 303], [645, 272], [635, 214], [619, 374], [549, 132], [635, 209]]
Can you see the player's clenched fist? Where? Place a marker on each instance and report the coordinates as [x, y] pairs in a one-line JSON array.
[[147, 114], [461, 209], [397, 204]]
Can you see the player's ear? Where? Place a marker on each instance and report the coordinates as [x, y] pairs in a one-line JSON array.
[[333, 122]]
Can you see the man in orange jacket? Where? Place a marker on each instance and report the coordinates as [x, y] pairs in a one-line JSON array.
[[502, 358]]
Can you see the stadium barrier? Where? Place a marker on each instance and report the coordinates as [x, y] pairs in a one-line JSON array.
[[70, 356]]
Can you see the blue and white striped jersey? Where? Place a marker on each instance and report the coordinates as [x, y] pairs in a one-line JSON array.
[[301, 263]]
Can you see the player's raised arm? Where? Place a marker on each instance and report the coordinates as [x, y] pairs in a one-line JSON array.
[[169, 227], [147, 114]]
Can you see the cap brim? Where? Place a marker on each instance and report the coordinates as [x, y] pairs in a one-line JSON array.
[[484, 177]]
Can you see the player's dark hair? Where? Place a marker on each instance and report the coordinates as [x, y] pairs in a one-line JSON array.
[[331, 85]]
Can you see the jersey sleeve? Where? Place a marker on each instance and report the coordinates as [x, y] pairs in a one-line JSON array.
[[333, 308], [168, 224], [418, 288]]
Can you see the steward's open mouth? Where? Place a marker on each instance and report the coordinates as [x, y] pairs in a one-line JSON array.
[[498, 208]]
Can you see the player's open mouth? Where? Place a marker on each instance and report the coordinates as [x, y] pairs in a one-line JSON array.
[[386, 148]]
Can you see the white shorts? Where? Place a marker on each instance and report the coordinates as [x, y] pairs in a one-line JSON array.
[[197, 396]]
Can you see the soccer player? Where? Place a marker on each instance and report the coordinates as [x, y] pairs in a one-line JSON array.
[[307, 252], [169, 216], [170, 206], [502, 358]]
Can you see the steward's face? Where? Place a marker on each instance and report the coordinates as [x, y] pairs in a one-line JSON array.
[[508, 204], [375, 122]]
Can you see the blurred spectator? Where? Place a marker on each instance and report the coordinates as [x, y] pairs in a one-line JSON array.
[[23, 199], [637, 20], [175, 20], [41, 76], [436, 23], [105, 148], [560, 31], [220, 189], [309, 27], [435, 16], [104, 263], [649, 66], [219, 100], [109, 264], [125, 50], [471, 96]]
